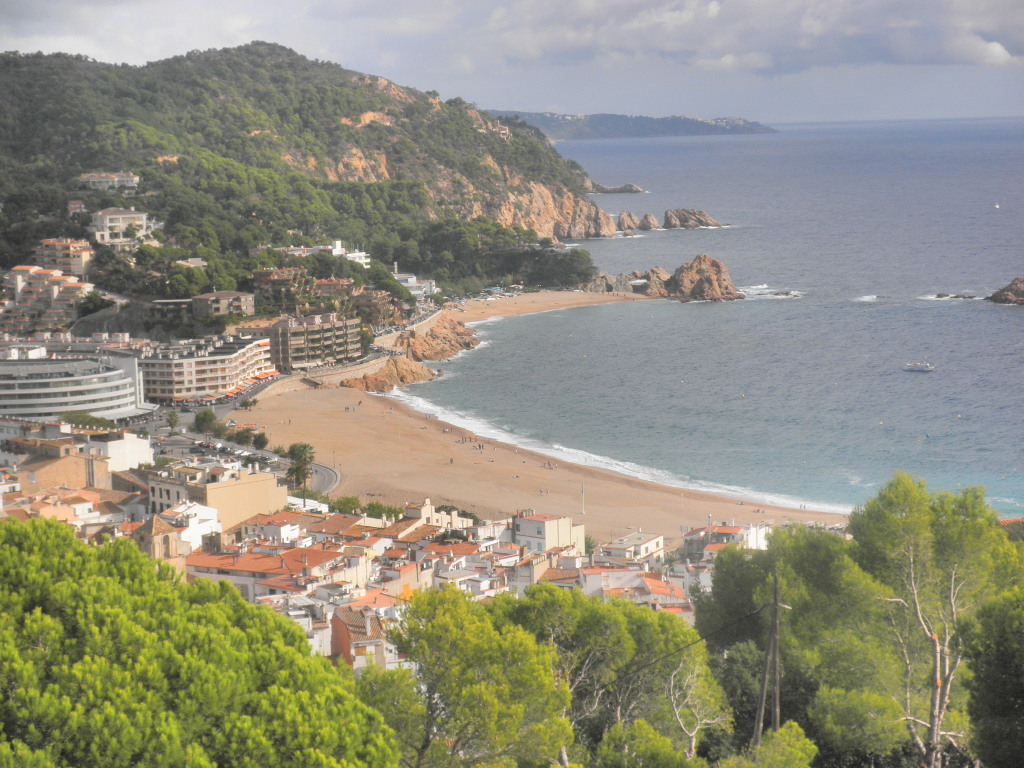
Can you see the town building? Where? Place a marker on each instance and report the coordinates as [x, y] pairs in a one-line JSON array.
[[107, 387], [542, 532], [127, 183], [119, 227], [71, 257], [303, 342], [235, 492], [204, 370], [221, 303], [38, 299], [647, 549]]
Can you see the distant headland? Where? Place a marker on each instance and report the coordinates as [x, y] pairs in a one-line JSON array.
[[559, 127]]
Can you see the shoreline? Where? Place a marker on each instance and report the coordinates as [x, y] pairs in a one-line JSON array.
[[388, 451]]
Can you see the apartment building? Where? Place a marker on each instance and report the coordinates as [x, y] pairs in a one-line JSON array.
[[303, 342], [204, 370], [220, 303], [40, 299], [71, 257]]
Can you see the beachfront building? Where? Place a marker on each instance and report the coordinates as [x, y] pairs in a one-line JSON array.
[[204, 370], [302, 342], [646, 549], [221, 303], [38, 299], [541, 532], [70, 256], [704, 543], [119, 227], [106, 387]]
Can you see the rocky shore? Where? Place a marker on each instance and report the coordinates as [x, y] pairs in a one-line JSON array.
[[441, 340]]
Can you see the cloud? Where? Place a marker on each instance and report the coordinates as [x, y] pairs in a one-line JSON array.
[[768, 36]]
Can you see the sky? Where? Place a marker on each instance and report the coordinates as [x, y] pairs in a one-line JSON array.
[[773, 61]]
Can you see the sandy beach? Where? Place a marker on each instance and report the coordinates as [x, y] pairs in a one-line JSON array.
[[387, 452]]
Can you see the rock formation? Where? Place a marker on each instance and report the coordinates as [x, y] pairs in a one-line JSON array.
[[703, 279], [621, 189], [605, 283], [627, 221], [396, 372], [648, 222], [683, 218], [444, 339], [1011, 294]]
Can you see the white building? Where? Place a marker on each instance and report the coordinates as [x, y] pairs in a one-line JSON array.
[[193, 521], [541, 533], [107, 387], [644, 548]]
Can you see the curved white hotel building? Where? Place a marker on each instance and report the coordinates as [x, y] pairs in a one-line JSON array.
[[44, 389]]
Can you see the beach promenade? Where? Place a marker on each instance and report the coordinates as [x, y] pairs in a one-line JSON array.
[[387, 452]]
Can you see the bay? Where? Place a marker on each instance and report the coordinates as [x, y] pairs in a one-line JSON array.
[[800, 399]]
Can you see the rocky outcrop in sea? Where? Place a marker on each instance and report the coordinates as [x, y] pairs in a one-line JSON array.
[[685, 218], [627, 221], [703, 279], [1011, 294], [648, 222]]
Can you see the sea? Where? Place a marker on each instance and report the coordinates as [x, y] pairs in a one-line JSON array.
[[843, 236]]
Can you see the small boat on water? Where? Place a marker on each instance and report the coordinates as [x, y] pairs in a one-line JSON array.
[[919, 367]]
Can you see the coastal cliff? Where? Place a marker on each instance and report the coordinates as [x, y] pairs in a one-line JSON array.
[[444, 338], [1011, 294]]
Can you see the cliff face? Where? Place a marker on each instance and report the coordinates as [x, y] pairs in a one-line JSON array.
[[445, 339], [1011, 294]]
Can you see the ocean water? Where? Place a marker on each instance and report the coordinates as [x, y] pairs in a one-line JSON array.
[[793, 400]]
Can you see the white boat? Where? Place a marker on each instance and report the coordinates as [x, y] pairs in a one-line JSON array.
[[919, 367]]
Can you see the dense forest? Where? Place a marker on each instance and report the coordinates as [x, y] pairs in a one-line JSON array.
[[899, 647], [257, 145]]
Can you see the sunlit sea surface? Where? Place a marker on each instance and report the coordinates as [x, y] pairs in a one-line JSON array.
[[801, 399]]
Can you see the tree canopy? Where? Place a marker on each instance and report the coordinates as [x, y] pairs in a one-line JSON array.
[[108, 661]]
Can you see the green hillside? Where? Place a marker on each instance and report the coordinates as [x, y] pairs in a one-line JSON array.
[[256, 145]]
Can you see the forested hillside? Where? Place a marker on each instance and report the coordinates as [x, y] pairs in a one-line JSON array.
[[258, 145]]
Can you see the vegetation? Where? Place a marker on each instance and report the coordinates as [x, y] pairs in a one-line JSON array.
[[107, 660], [86, 419], [257, 146], [873, 646], [482, 695], [104, 654]]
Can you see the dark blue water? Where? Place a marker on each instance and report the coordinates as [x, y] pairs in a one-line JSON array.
[[803, 399]]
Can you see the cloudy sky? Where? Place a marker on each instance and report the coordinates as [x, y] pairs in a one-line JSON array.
[[774, 61]]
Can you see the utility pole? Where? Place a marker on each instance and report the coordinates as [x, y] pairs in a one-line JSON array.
[[771, 669]]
